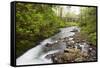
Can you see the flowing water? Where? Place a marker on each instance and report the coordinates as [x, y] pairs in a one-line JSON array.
[[37, 55]]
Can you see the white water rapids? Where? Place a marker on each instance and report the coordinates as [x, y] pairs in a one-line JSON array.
[[37, 54]]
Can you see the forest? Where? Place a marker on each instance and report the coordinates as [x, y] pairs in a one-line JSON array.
[[36, 22]]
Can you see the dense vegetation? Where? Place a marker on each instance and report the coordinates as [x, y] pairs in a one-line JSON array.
[[35, 22], [88, 23]]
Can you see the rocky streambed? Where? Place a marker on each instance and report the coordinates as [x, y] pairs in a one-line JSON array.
[[66, 46], [78, 49]]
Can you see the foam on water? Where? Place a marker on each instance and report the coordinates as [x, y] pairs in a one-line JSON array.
[[36, 54]]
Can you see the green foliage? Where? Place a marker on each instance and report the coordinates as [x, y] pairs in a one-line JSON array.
[[88, 23], [72, 24], [92, 38], [34, 22]]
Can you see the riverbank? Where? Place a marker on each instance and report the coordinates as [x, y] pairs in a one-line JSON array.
[[78, 49]]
